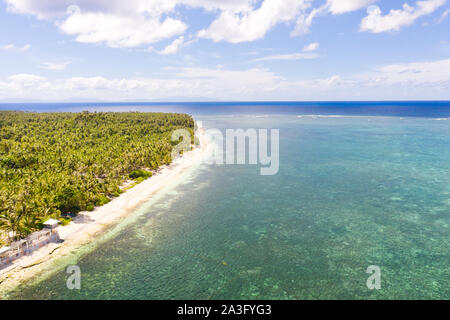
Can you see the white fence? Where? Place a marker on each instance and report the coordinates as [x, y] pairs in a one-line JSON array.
[[26, 246]]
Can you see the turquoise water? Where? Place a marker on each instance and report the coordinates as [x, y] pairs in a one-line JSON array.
[[351, 192]]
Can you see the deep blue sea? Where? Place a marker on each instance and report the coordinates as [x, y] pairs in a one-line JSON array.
[[359, 184], [361, 108]]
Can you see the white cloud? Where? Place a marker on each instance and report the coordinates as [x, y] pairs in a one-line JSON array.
[[327, 83], [444, 15], [415, 73], [305, 20], [116, 23], [133, 23], [344, 6], [55, 66], [8, 47], [214, 5], [254, 24], [26, 78], [23, 83], [417, 80], [306, 54], [289, 56], [119, 30], [13, 47], [375, 22], [173, 47], [45, 9], [188, 82], [386, 82], [311, 47]]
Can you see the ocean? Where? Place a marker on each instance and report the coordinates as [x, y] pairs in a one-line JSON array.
[[359, 184], [374, 108]]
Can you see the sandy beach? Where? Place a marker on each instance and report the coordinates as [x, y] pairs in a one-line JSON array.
[[87, 225]]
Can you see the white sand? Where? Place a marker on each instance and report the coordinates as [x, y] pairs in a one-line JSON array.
[[87, 225]]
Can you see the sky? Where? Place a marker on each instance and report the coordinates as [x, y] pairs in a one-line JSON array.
[[231, 50]]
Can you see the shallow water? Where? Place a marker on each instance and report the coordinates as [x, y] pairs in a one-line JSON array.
[[351, 192]]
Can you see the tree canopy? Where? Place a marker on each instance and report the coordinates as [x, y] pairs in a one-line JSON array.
[[52, 164]]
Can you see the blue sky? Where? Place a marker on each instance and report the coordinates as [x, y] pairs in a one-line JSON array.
[[115, 50]]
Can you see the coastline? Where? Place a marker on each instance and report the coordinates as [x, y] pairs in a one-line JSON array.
[[87, 225]]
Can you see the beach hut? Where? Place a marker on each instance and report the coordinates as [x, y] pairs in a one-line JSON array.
[[4, 250], [51, 224]]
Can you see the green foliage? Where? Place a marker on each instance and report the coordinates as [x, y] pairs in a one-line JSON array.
[[65, 221], [60, 163], [140, 179], [101, 200], [69, 199], [140, 173]]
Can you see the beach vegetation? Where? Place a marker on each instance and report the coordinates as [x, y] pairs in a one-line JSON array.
[[53, 165], [140, 174]]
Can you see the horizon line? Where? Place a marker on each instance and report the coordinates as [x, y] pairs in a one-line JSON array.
[[222, 101]]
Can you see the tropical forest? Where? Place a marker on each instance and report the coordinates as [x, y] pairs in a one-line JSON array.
[[54, 165]]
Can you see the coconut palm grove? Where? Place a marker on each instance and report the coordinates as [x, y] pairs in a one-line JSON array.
[[53, 165]]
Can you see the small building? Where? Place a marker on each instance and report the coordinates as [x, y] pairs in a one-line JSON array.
[[4, 256], [4, 250], [51, 224]]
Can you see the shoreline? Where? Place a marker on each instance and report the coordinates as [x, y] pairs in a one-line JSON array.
[[88, 224]]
